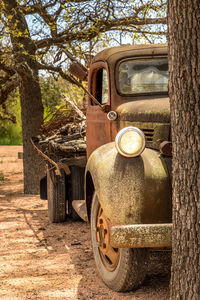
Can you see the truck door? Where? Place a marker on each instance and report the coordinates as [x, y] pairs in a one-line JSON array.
[[98, 126]]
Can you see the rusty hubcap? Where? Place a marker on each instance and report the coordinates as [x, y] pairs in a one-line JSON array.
[[109, 255]]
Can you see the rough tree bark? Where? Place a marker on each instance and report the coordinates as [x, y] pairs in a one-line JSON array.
[[184, 87], [30, 94]]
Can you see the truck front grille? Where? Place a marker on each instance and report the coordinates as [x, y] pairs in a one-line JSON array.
[[155, 133], [149, 133]]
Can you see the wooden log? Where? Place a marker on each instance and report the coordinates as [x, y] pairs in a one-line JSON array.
[[73, 146], [78, 111]]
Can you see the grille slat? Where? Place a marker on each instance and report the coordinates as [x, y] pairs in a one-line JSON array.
[[149, 133]]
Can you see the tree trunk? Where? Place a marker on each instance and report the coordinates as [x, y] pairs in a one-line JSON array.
[[32, 118], [30, 93], [184, 88]]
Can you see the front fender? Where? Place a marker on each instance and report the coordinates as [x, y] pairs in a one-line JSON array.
[[131, 190]]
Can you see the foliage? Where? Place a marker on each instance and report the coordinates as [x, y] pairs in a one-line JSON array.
[[50, 95], [81, 26], [11, 132], [37, 35]]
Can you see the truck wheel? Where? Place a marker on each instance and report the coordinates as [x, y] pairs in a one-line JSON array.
[[56, 196], [121, 269]]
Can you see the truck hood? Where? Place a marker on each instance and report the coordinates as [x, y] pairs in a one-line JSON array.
[[148, 110]]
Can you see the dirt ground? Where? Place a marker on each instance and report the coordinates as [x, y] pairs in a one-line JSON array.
[[40, 260]]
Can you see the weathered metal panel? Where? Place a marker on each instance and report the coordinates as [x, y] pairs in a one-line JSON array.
[[141, 236], [116, 53], [131, 190], [98, 126], [98, 129], [149, 110]]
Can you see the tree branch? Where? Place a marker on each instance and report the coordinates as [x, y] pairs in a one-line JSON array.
[[7, 88], [56, 70]]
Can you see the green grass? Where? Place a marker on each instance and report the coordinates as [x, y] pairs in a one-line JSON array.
[[11, 141]]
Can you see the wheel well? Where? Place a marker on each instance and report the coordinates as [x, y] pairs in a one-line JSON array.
[[89, 190]]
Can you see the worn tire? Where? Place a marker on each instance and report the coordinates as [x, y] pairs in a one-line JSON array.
[[130, 268], [56, 196]]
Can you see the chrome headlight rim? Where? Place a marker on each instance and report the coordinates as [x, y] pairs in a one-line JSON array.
[[121, 133]]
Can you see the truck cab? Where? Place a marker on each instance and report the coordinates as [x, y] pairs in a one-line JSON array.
[[128, 172]]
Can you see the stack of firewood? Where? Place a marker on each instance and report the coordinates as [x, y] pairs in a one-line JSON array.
[[64, 138]]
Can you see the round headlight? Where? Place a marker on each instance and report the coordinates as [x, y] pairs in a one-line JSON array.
[[130, 141]]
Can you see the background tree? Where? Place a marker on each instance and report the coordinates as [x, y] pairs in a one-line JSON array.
[[35, 30], [184, 59]]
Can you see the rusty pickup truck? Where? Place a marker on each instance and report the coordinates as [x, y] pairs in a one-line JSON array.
[[126, 181]]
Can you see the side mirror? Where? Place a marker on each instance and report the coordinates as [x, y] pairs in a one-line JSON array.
[[78, 70]]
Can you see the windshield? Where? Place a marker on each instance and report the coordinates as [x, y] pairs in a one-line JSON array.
[[138, 76]]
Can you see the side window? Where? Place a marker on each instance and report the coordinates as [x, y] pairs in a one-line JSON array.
[[100, 85], [104, 87]]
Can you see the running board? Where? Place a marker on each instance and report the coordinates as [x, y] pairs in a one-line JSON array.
[[80, 208]]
